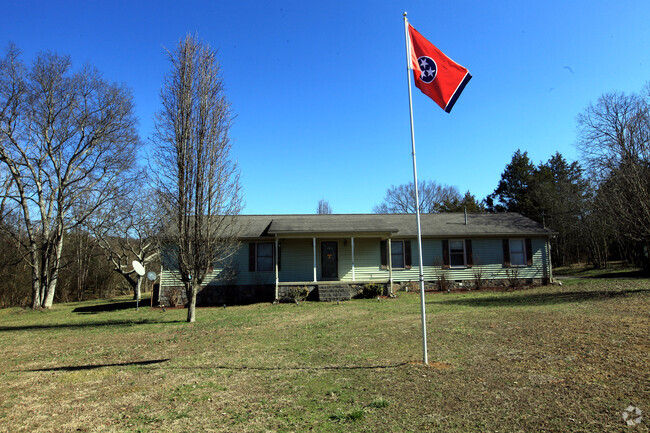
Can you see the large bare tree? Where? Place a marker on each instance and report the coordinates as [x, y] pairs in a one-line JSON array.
[[197, 180], [66, 139], [614, 141], [433, 198]]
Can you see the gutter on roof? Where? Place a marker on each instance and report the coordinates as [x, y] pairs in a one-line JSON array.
[[330, 232]]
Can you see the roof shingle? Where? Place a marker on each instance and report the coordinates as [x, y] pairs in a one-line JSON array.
[[433, 225]]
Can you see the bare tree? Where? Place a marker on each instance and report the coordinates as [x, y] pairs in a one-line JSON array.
[[130, 233], [433, 196], [197, 180], [614, 141], [323, 207], [66, 138]]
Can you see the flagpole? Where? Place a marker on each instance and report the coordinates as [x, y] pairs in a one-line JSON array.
[[425, 357]]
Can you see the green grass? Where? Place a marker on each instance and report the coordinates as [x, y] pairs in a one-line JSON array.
[[613, 270], [568, 358]]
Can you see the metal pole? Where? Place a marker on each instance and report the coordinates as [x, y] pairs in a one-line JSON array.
[[277, 278], [425, 357], [390, 263]]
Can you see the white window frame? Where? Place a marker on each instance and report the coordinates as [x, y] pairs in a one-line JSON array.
[[464, 265], [524, 261], [257, 267]]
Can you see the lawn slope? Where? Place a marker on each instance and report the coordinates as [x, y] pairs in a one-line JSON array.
[[564, 359]]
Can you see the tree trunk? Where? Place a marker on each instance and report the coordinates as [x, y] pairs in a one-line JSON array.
[[136, 289], [36, 274], [36, 288], [54, 277], [191, 302]]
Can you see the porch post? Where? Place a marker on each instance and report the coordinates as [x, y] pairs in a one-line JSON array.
[[314, 246], [160, 283], [352, 244], [390, 267], [277, 279], [548, 256]]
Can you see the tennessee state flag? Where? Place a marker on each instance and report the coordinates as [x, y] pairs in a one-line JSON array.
[[435, 74]]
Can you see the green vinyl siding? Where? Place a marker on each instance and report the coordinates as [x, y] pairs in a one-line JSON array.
[[487, 257], [297, 262], [367, 261]]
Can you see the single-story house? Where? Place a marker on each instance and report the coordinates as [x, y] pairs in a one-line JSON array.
[[334, 255]]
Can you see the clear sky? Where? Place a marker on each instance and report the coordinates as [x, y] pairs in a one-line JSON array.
[[320, 93]]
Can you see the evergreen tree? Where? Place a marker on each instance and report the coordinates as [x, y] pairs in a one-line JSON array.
[[513, 191]]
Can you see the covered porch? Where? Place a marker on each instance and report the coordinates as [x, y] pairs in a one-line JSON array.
[[331, 253]]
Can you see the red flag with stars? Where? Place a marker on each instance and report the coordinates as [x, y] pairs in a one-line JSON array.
[[435, 74]]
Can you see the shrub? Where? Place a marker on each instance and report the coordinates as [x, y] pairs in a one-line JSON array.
[[372, 290], [297, 293], [443, 282], [479, 281], [512, 275], [174, 297]]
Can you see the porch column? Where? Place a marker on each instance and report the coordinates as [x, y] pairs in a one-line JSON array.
[[159, 283], [352, 245], [277, 279], [314, 246], [390, 267], [550, 264]]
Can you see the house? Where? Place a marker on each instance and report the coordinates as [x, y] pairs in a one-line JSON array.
[[335, 255]]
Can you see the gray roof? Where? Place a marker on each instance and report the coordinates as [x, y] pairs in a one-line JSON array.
[[433, 225]]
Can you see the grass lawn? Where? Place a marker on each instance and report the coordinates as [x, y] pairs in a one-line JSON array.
[[613, 270], [564, 359]]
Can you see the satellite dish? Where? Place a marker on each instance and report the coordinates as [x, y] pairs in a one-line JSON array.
[[151, 275], [138, 268]]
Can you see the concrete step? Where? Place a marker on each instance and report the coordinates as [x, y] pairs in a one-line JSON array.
[[330, 293]]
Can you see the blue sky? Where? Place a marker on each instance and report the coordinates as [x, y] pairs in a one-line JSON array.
[[320, 93]]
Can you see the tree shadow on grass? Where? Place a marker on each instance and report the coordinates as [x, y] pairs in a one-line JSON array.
[[622, 274], [158, 363], [538, 299], [95, 366], [294, 368], [113, 306], [86, 324]]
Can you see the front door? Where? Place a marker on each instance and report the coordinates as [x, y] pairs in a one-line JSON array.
[[329, 260]]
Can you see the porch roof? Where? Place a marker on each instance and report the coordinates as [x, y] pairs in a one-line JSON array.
[[305, 224]]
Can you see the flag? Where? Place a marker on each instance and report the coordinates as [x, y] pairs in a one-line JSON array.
[[435, 74]]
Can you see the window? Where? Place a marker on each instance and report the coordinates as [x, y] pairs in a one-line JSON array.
[[457, 253], [397, 253], [517, 252], [265, 257], [400, 254], [260, 257]]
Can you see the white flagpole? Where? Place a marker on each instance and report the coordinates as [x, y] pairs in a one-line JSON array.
[[425, 357]]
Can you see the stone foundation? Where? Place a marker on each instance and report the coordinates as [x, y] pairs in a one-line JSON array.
[[219, 295], [250, 294], [414, 286]]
